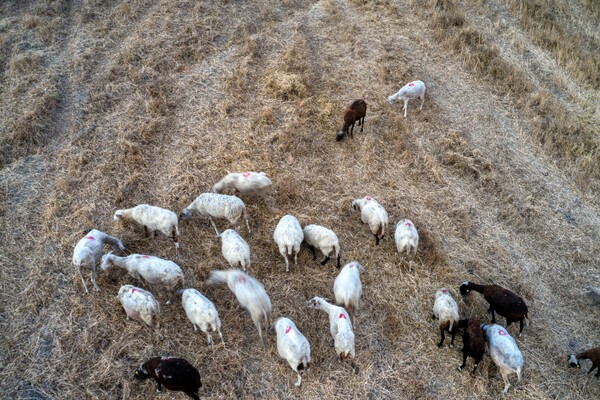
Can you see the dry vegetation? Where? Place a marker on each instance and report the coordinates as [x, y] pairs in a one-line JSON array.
[[107, 104]]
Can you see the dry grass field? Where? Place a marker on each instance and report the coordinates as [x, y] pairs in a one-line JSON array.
[[106, 104]]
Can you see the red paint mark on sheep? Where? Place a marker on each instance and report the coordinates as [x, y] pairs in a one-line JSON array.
[[444, 291], [90, 238], [132, 291], [342, 316], [288, 329], [501, 332], [411, 84], [367, 198], [241, 279], [408, 224], [145, 256], [246, 174]]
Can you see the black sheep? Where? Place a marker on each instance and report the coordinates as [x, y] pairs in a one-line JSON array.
[[502, 301], [591, 354], [174, 373], [473, 341], [356, 112]]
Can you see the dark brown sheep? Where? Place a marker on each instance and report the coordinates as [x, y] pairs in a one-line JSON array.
[[502, 301], [174, 373], [591, 354], [473, 342], [356, 112]]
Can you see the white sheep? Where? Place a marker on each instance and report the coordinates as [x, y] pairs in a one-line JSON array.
[[152, 218], [446, 310], [289, 236], [214, 205], [247, 183], [317, 236], [201, 312], [139, 305], [292, 346], [407, 240], [153, 270], [409, 91], [347, 287], [88, 251], [504, 351], [340, 327], [235, 249], [250, 294], [374, 214]]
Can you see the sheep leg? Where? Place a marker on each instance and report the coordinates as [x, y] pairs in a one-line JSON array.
[[327, 258], [213, 225], [593, 368], [82, 280], [146, 231], [295, 258], [338, 261], [464, 364], [314, 252], [362, 124], [246, 219], [195, 328], [352, 130], [504, 374], [158, 387], [175, 239], [453, 332], [422, 101], [287, 265], [94, 279], [520, 327], [443, 337], [405, 107], [493, 315], [376, 240], [299, 381]]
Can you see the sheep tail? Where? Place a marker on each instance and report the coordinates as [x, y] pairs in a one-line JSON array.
[[217, 277], [451, 325], [380, 230]]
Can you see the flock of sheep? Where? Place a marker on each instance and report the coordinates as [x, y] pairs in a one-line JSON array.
[[157, 273]]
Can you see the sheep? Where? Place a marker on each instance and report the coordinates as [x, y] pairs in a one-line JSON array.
[[174, 373], [316, 236], [374, 214], [201, 312], [214, 205], [502, 301], [473, 342], [591, 354], [292, 346], [409, 91], [504, 351], [139, 305], [88, 251], [289, 236], [446, 310], [340, 327], [150, 269], [235, 249], [407, 240], [247, 183], [347, 287], [355, 112], [152, 218], [250, 294]]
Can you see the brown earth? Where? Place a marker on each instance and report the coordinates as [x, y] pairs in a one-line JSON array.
[[109, 104]]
